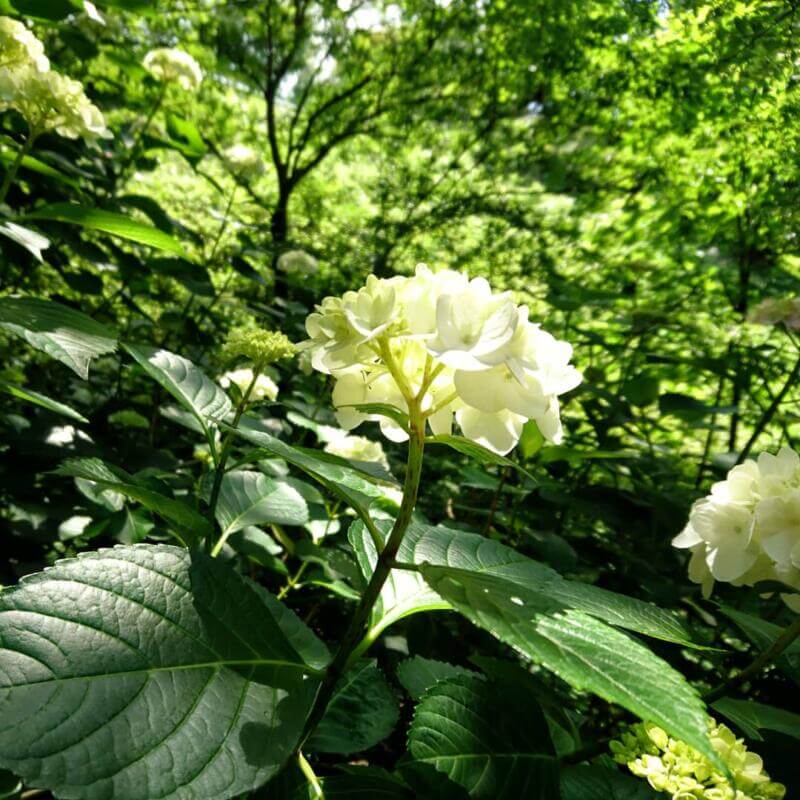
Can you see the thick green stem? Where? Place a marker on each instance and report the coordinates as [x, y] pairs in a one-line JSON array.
[[219, 471], [386, 557], [15, 165], [766, 658]]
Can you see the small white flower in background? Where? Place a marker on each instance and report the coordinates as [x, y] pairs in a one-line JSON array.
[[773, 311], [169, 64], [244, 161], [265, 386], [19, 47], [66, 435], [748, 529], [357, 448], [297, 262], [92, 13], [472, 355]]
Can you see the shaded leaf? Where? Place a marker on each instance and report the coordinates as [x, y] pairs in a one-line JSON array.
[[493, 743], [148, 656], [418, 674], [38, 399], [363, 711]]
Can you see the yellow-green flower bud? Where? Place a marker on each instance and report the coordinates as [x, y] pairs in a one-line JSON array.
[[673, 767], [259, 346]]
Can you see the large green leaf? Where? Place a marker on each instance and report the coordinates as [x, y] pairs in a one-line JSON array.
[[63, 333], [186, 382], [355, 486], [362, 712], [190, 525], [250, 498], [32, 241], [21, 393], [584, 652], [147, 671], [441, 546], [751, 717], [492, 742], [109, 222], [598, 783]]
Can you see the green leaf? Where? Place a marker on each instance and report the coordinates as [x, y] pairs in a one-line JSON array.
[[595, 783], [763, 634], [32, 164], [67, 335], [418, 674], [186, 382], [443, 547], [109, 222], [383, 410], [259, 547], [41, 400], [355, 486], [147, 671], [492, 742], [476, 451], [362, 712], [584, 652], [751, 717], [190, 525], [250, 498], [32, 241]]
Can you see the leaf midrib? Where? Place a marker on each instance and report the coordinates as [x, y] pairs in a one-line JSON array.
[[252, 662]]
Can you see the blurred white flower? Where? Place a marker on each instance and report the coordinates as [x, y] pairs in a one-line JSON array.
[[357, 448], [748, 529], [774, 311], [169, 64], [242, 378], [50, 101], [297, 262], [244, 161], [448, 346], [19, 47]]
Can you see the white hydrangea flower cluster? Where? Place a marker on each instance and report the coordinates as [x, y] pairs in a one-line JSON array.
[[748, 529], [448, 347], [169, 64], [19, 47], [244, 161], [357, 448], [48, 100], [264, 387]]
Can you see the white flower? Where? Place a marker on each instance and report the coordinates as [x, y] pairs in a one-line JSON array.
[[19, 47], [775, 311], [171, 64], [297, 262], [357, 448], [472, 327], [264, 387], [748, 528], [51, 101], [244, 161], [444, 348]]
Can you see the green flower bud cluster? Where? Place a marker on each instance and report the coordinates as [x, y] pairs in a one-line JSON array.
[[257, 345], [48, 100], [675, 768]]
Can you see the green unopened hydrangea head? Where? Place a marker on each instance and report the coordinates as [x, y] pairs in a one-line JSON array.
[[675, 768], [257, 345]]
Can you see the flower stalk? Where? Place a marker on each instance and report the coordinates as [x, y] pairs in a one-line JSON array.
[[11, 174], [349, 646]]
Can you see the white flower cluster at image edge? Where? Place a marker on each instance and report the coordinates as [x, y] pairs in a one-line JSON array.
[[48, 100], [748, 529], [472, 354]]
